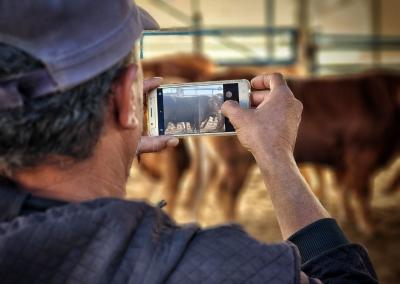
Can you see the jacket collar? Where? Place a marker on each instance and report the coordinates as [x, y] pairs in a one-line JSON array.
[[16, 201], [12, 199]]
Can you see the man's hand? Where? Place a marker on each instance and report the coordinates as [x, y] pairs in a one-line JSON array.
[[154, 144], [269, 131]]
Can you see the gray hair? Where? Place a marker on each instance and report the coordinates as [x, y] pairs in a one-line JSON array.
[[66, 124]]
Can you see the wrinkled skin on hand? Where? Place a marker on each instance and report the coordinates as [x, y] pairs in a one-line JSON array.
[[157, 143], [270, 129]]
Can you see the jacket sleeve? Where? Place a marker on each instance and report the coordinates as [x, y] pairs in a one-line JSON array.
[[327, 255]]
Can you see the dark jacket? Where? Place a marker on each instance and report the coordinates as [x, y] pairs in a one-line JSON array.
[[116, 241]]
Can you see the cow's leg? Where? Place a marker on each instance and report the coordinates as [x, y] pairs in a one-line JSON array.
[[314, 176], [196, 177], [221, 175], [362, 206], [393, 178], [231, 184], [323, 184], [345, 210], [204, 123], [216, 165], [361, 166], [196, 126], [210, 173], [170, 177], [223, 193], [394, 186], [362, 193], [216, 174], [232, 163], [221, 122]]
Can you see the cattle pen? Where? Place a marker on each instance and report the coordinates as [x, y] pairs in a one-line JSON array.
[[314, 44], [200, 141]]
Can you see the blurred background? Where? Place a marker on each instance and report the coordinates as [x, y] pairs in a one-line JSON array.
[[342, 60]]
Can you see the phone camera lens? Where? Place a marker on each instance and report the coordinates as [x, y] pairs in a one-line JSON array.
[[228, 94]]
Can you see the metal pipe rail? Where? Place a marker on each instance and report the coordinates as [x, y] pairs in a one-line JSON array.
[[353, 43], [223, 33], [356, 42]]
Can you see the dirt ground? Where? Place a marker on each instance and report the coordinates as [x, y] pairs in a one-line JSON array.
[[185, 128], [256, 215]]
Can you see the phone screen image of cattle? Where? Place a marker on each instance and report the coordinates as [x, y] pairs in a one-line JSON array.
[[193, 109]]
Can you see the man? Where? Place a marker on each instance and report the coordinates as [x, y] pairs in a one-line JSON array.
[[70, 126]]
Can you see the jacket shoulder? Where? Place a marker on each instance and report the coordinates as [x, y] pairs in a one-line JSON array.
[[228, 253]]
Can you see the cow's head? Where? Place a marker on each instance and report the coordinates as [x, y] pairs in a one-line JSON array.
[[215, 103]]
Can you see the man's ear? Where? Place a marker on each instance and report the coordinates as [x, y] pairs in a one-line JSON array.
[[124, 98]]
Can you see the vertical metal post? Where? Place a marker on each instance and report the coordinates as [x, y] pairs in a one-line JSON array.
[[270, 23], [303, 15], [376, 28], [197, 25], [307, 50], [142, 47]]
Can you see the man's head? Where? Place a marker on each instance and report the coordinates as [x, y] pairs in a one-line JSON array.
[[68, 78], [66, 124]]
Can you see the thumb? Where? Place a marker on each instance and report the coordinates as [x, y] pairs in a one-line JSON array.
[[233, 111], [150, 144], [151, 83]]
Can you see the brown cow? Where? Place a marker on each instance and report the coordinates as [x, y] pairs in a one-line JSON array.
[[216, 166], [179, 169], [229, 165], [190, 67], [343, 118], [351, 124], [220, 163], [171, 165]]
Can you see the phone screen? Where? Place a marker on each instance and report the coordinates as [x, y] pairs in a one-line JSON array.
[[194, 109]]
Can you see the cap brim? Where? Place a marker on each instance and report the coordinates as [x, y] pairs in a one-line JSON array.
[[148, 21]]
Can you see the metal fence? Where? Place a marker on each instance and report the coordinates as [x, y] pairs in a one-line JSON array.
[[335, 53], [226, 46]]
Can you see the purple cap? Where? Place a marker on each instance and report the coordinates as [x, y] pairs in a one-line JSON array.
[[75, 39]]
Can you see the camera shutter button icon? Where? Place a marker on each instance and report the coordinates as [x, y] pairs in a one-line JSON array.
[[228, 94]]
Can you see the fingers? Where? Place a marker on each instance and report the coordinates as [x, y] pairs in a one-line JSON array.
[[233, 111], [257, 97], [268, 81], [151, 83], [155, 144]]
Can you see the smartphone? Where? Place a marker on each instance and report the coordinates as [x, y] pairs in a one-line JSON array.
[[193, 108]]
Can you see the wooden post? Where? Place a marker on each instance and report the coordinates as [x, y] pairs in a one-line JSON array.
[[270, 23], [306, 53], [376, 28], [197, 25]]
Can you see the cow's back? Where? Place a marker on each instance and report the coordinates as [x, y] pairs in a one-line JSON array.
[[356, 111]]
